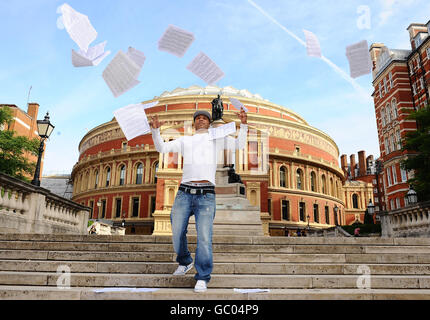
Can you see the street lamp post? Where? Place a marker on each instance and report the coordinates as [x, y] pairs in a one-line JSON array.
[[308, 227], [335, 214], [371, 208], [412, 196], [44, 128]]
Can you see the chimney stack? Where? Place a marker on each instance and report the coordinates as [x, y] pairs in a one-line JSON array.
[[352, 165], [362, 163], [344, 165]]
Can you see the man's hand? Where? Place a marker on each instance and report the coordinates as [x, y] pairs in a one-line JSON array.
[[242, 116], [155, 123]]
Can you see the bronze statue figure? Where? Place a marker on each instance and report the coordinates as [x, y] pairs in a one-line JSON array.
[[217, 108]]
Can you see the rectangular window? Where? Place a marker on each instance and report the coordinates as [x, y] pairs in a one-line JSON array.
[[118, 208], [285, 210], [302, 211], [393, 145], [387, 146], [414, 89], [411, 68], [92, 209], [422, 83], [389, 176], [385, 86], [316, 213], [393, 169], [327, 215], [404, 175], [398, 203], [269, 206], [103, 208], [392, 204], [135, 206], [391, 80], [380, 91]]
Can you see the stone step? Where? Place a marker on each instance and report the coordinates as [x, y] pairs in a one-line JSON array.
[[222, 248], [383, 258], [218, 281], [219, 268], [88, 293], [228, 239]]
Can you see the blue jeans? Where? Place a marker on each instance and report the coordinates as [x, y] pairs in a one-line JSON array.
[[203, 207]]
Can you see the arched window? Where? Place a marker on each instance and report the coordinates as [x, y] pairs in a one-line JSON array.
[[122, 175], [332, 187], [283, 177], [383, 117], [107, 176], [323, 185], [139, 173], [96, 179], [313, 181], [394, 108], [299, 178], [355, 201], [388, 113]]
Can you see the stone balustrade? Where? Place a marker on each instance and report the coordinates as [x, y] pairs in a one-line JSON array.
[[25, 208], [411, 221]]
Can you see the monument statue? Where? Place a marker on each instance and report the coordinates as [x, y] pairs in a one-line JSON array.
[[217, 108]]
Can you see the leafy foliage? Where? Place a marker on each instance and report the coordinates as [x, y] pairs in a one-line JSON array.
[[14, 149], [418, 142]]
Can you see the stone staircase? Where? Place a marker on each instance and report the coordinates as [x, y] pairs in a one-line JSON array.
[[291, 268]]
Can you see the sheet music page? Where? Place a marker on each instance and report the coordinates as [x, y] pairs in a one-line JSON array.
[[175, 41], [78, 26], [359, 59], [203, 67], [237, 104], [137, 56], [312, 44], [92, 57], [121, 74], [222, 131], [132, 120]]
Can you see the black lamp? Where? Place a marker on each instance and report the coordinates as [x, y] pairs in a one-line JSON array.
[[412, 196], [44, 128], [371, 207]]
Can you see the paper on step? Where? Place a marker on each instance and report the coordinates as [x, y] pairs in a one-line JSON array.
[[237, 104], [313, 47], [175, 41], [203, 67], [222, 131], [77, 25], [359, 59], [132, 119], [89, 58], [122, 72], [251, 290], [102, 290]]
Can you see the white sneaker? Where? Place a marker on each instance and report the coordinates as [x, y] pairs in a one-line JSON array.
[[200, 286], [181, 270]]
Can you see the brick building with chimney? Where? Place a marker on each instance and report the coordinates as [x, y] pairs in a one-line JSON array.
[[363, 183], [25, 124], [400, 80]]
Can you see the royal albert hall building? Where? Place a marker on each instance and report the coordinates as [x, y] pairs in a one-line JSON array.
[[290, 169]]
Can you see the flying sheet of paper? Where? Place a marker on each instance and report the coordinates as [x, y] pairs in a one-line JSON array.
[[359, 59], [132, 119], [251, 290], [102, 290], [237, 104], [313, 47], [222, 131], [121, 74], [203, 67], [77, 25], [137, 56], [175, 41], [92, 57]]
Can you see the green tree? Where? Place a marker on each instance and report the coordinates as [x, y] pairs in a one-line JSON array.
[[418, 142], [14, 149]]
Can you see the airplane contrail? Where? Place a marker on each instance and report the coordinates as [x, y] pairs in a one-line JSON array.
[[338, 70]]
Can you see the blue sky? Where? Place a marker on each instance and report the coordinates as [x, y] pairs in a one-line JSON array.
[[254, 52]]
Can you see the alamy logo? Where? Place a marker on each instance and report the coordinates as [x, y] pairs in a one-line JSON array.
[[63, 281], [364, 281]]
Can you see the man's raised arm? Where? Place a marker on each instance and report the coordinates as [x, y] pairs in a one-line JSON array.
[[160, 145]]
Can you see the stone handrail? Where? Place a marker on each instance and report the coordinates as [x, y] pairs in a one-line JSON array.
[[411, 221], [25, 208]]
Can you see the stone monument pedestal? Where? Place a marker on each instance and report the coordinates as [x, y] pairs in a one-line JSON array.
[[234, 214]]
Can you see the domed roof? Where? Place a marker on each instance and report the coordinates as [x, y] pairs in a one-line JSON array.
[[210, 90]]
